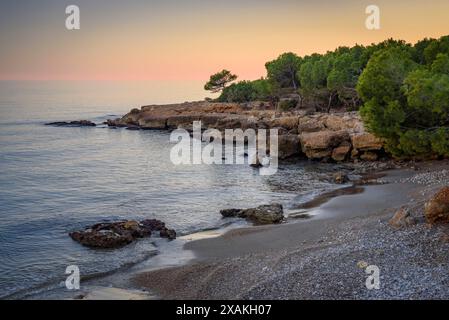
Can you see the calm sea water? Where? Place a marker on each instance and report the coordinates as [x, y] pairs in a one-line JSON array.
[[55, 180]]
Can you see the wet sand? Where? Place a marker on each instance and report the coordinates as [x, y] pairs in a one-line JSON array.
[[261, 238]]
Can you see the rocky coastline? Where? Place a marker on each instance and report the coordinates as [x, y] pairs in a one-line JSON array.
[[398, 218], [332, 137]]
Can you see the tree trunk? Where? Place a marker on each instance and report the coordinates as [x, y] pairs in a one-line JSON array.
[[294, 82], [330, 103]]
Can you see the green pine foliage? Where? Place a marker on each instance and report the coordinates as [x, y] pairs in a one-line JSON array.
[[406, 98], [402, 90]]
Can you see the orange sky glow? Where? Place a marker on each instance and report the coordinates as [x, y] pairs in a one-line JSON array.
[[189, 41]]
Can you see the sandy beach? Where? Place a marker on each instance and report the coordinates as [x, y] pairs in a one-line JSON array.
[[324, 256]]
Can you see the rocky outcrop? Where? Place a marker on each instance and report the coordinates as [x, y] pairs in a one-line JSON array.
[[288, 123], [338, 137], [318, 145], [366, 142], [341, 152], [266, 214], [118, 234], [79, 123], [437, 209], [366, 146], [288, 146], [153, 123]]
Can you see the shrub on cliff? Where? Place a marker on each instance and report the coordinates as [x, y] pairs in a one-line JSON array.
[[245, 91], [242, 91], [218, 81], [287, 105]]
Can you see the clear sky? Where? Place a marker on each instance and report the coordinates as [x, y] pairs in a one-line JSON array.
[[190, 39]]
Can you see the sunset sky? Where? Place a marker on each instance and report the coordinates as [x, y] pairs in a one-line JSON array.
[[190, 39]]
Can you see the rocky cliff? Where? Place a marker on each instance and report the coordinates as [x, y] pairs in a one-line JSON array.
[[321, 136]]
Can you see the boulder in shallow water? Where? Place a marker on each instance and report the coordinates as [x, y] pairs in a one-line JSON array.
[[118, 234], [437, 209], [79, 123], [340, 178], [266, 214], [106, 235], [153, 224], [168, 233], [231, 213], [157, 225]]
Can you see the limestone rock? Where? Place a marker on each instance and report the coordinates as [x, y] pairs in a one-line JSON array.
[[288, 123], [341, 152], [369, 156], [437, 209], [317, 145], [366, 141], [402, 219], [288, 146], [348, 121], [152, 122], [310, 124]]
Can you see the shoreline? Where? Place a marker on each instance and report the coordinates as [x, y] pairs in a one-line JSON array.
[[314, 220], [172, 254], [248, 250], [318, 219], [249, 262]]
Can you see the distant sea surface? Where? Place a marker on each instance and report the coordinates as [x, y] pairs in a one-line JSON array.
[[56, 180]]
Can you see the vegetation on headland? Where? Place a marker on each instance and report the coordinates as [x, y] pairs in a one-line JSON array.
[[218, 81], [406, 99], [402, 90]]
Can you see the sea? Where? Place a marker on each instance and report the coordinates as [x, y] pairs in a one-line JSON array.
[[54, 180]]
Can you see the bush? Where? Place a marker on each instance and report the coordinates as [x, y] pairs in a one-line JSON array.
[[407, 103], [286, 105], [245, 91]]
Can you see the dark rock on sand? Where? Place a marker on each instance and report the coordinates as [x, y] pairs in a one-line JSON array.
[[402, 218], [80, 123], [118, 234], [437, 209], [266, 214]]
